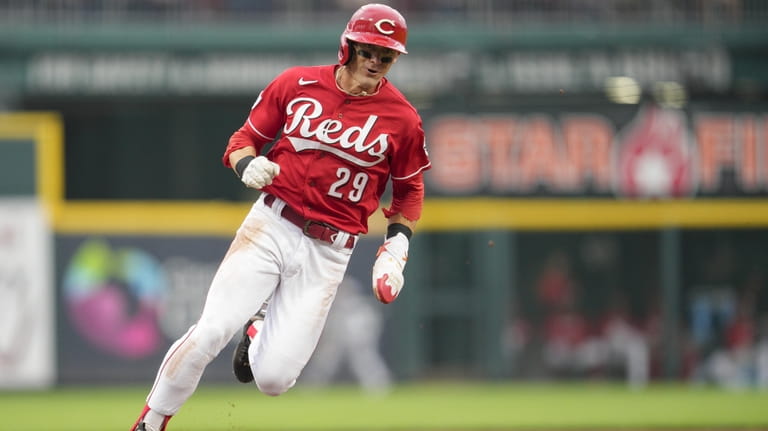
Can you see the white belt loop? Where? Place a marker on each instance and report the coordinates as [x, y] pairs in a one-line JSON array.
[[277, 206], [341, 238]]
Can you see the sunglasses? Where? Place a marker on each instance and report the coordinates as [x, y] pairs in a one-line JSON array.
[[384, 56]]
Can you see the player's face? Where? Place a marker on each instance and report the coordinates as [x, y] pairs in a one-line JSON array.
[[370, 63]]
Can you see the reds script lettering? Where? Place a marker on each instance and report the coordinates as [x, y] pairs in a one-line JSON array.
[[329, 132]]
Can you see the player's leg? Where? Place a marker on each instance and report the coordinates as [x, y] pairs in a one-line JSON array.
[[297, 314], [328, 357], [245, 279]]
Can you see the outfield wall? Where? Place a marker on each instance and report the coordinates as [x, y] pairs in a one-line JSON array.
[[551, 209]]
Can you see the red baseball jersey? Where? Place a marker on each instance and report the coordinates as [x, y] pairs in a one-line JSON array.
[[336, 152]]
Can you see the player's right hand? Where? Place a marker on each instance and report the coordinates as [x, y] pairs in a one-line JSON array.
[[260, 172]]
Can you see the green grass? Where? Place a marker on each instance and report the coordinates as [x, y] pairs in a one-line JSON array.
[[435, 406]]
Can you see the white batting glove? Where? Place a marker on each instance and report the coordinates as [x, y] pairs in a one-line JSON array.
[[388, 268], [260, 172]]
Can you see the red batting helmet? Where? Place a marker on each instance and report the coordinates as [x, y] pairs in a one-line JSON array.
[[375, 24]]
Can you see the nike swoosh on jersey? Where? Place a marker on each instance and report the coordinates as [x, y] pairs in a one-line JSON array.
[[303, 82]]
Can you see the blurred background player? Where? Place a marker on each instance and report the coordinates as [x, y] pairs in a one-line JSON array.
[[349, 346], [345, 130]]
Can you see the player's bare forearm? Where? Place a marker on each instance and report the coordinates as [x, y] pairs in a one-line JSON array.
[[400, 218]]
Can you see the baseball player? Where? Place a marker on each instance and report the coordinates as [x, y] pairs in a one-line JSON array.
[[340, 133]]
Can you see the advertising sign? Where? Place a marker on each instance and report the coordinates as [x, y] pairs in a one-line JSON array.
[[123, 300], [26, 296], [648, 152]]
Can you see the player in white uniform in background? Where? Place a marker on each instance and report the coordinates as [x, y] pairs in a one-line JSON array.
[[350, 343], [344, 132]]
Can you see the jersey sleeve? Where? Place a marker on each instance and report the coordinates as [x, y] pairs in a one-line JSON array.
[[408, 163], [265, 119], [267, 113], [411, 157]]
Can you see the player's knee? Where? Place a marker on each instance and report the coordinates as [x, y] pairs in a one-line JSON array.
[[271, 389], [273, 383], [209, 339]]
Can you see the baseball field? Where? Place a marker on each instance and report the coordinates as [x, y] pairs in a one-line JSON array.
[[420, 407]]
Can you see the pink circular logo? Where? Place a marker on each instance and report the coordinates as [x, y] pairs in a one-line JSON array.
[[113, 298]]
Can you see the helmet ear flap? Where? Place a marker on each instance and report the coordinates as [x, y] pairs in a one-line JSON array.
[[344, 50]]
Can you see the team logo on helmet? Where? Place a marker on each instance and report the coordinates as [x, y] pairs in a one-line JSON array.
[[385, 21]]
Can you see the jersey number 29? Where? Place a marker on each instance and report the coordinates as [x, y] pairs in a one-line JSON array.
[[358, 184]]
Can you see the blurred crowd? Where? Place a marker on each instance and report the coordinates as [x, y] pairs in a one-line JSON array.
[[484, 11], [579, 320]]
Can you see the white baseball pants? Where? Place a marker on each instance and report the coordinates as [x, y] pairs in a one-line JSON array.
[[269, 256]]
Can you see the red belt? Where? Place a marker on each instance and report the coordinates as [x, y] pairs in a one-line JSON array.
[[311, 228]]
